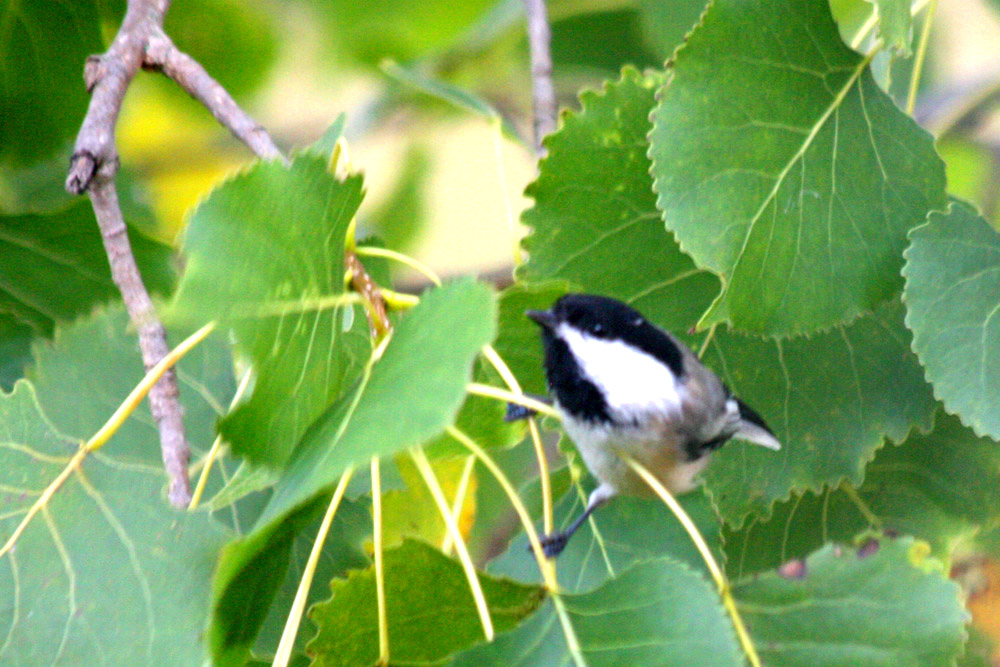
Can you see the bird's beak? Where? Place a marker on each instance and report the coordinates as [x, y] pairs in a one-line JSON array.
[[543, 318]]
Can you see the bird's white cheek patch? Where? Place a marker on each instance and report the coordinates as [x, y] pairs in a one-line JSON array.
[[632, 381]]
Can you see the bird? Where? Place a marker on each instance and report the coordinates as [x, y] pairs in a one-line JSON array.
[[623, 385]]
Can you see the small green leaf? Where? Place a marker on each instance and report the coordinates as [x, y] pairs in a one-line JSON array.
[[43, 46], [414, 391], [277, 284], [107, 572], [666, 23], [657, 613], [253, 573], [889, 608], [783, 168], [599, 38], [55, 268], [895, 25], [402, 216], [15, 351], [430, 610], [259, 574], [379, 29], [952, 297], [939, 487], [328, 141]]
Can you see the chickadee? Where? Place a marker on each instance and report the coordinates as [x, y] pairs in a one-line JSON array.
[[623, 384]]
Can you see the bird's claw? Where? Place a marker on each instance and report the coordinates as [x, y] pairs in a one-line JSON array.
[[553, 545]]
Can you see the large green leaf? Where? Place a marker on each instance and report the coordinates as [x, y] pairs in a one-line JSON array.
[[414, 391], [830, 398], [952, 297], [107, 572], [430, 610], [43, 46], [939, 487], [265, 256], [595, 223], [885, 605], [98, 358], [783, 168], [654, 614], [55, 267]]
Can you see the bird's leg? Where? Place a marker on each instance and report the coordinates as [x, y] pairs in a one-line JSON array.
[[554, 543]]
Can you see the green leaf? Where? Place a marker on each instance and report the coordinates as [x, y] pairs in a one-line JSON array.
[[328, 141], [656, 613], [594, 206], [15, 351], [106, 572], [831, 399], [254, 583], [244, 602], [952, 285], [414, 391], [55, 267], [43, 46], [234, 41], [781, 167], [402, 216], [89, 367], [893, 607], [666, 23], [895, 25], [398, 29], [430, 610], [602, 40], [277, 285], [939, 487], [631, 529]]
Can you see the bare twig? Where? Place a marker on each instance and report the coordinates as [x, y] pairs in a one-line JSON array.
[[539, 37], [163, 56], [93, 168]]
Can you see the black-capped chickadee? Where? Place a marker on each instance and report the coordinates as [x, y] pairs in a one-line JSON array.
[[624, 385]]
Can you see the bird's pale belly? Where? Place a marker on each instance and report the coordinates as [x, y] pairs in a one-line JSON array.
[[657, 449]]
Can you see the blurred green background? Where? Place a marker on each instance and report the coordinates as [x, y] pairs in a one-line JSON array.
[[418, 83]]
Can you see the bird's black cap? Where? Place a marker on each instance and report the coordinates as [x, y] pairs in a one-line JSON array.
[[610, 319]]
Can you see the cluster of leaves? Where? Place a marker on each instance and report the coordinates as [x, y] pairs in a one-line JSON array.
[[763, 198]]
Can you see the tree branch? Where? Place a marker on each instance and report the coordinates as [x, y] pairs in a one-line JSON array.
[[141, 41], [539, 39], [163, 56]]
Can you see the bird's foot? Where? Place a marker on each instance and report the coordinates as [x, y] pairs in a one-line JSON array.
[[516, 412], [553, 545]]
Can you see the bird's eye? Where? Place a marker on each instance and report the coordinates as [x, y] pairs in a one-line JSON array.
[[597, 328]]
